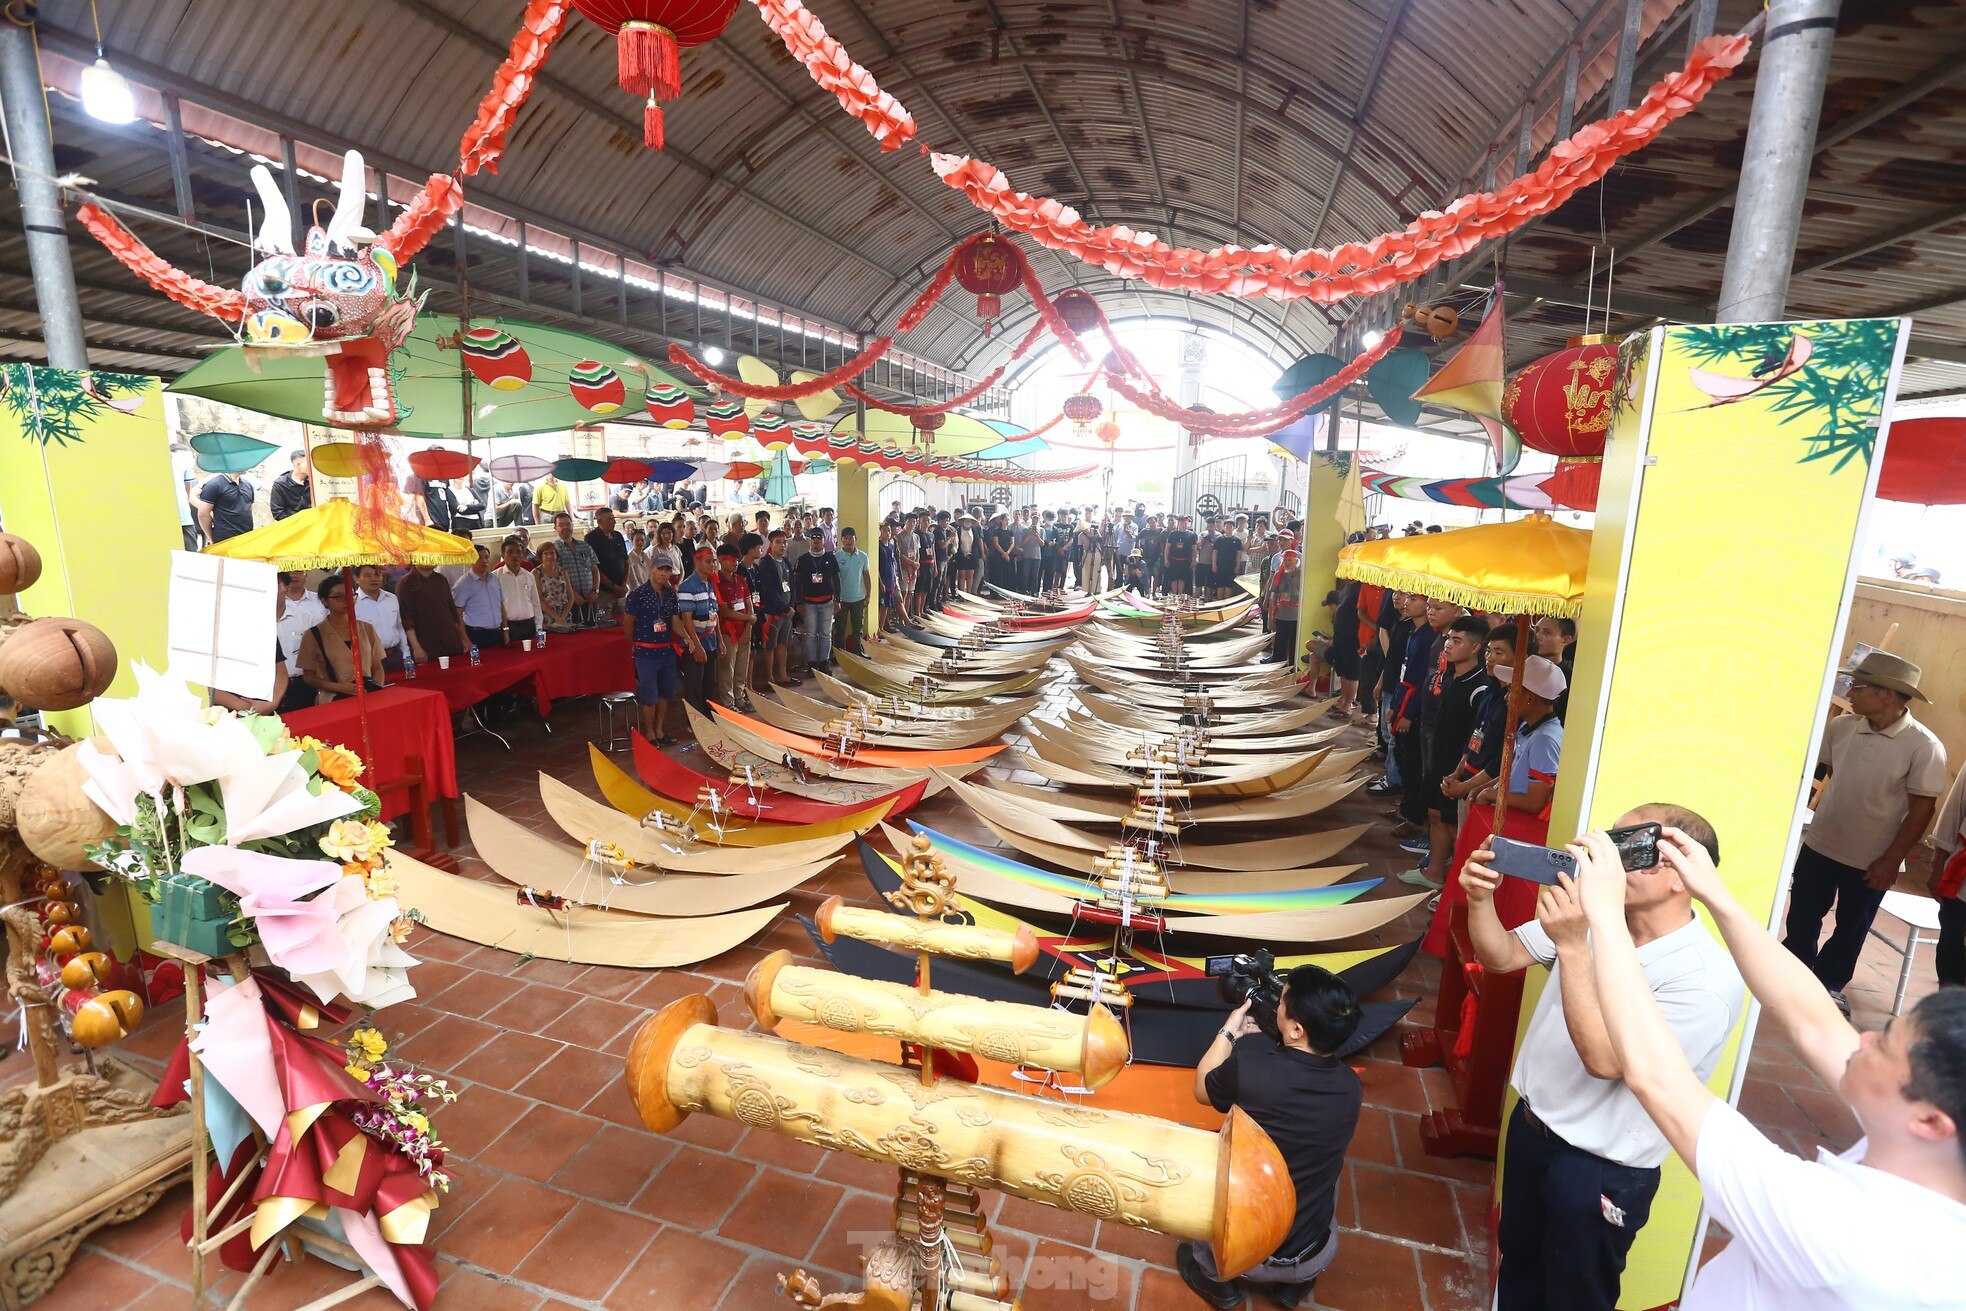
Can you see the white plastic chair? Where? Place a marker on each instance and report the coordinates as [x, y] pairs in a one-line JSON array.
[[1920, 916]]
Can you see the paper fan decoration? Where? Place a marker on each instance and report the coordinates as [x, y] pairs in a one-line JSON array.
[[756, 372], [438, 464], [818, 405], [727, 419], [496, 358], [773, 430], [520, 468], [596, 386], [671, 406], [229, 452], [625, 471], [337, 460], [578, 469]]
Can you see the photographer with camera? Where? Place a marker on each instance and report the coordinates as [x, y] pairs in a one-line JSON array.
[[1276, 1058], [1583, 1157]]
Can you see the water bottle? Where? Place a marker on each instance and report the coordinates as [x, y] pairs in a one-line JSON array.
[[409, 666], [539, 642], [474, 655]]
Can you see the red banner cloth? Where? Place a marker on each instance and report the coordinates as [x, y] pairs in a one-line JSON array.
[[403, 722]]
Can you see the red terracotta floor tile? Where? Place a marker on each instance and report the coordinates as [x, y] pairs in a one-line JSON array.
[[469, 1290], [477, 1118], [588, 1251], [441, 1048], [544, 1139], [861, 1221], [506, 1224], [676, 1264], [96, 1281], [615, 1164], [481, 996], [595, 1021], [1042, 1221], [506, 1061], [1061, 1278], [533, 1008], [782, 1213], [1454, 1282], [1371, 1274], [571, 1077], [696, 1189]]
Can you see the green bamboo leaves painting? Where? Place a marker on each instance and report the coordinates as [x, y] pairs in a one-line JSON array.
[[1837, 392], [55, 405]]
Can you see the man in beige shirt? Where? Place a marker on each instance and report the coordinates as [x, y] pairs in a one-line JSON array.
[[1886, 773]]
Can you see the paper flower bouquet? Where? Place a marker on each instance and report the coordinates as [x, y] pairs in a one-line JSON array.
[[241, 835]]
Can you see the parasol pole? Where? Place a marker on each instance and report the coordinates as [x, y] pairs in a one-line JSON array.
[[355, 653], [1509, 727]]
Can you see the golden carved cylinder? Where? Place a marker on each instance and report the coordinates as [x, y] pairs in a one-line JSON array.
[[1093, 1046], [836, 919], [1231, 1188]]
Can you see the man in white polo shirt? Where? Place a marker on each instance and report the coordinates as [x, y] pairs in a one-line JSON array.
[[1886, 774], [1582, 1159], [1881, 1227], [381, 611]]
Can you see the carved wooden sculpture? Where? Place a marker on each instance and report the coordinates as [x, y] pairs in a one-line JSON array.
[[950, 1138]]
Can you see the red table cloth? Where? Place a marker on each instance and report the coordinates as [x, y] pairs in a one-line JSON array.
[[588, 663], [464, 685], [403, 722]]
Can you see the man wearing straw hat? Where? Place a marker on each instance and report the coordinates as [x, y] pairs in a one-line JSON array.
[[1886, 774]]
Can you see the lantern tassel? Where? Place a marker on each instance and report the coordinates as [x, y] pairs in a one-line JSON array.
[[648, 61], [652, 125]]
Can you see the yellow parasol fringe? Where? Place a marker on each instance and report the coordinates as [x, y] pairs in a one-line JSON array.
[[1475, 598]]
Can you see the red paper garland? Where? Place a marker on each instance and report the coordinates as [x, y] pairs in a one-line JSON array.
[[219, 302], [427, 215], [1385, 260], [834, 70], [790, 391], [512, 84]]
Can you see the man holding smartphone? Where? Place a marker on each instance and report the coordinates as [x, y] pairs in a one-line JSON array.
[[1582, 1160]]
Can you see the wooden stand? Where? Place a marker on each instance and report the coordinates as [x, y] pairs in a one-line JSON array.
[[1477, 1057], [78, 1150], [204, 1242]]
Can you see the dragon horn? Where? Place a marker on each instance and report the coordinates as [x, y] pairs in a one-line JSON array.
[[350, 202], [276, 229]]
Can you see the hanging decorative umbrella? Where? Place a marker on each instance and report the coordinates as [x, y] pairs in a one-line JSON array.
[[578, 469], [438, 464], [229, 452], [624, 470], [519, 468], [333, 536], [779, 487], [671, 471], [743, 470], [498, 378]]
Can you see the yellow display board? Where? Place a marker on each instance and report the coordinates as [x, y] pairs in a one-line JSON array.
[[1332, 510], [1731, 510], [857, 510], [85, 475]]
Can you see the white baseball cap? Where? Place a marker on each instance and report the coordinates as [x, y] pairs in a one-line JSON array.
[[1540, 677]]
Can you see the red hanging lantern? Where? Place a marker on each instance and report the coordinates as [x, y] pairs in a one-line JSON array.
[[650, 37], [989, 266], [1561, 404], [1078, 309], [1084, 411], [1108, 432]]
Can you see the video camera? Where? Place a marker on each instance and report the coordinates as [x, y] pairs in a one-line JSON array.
[[1251, 977]]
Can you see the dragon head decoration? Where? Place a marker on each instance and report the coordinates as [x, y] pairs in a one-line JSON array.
[[338, 298]]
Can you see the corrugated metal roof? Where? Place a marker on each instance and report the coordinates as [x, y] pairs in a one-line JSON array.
[[1203, 121]]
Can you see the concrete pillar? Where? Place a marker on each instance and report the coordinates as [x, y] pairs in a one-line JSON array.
[[1187, 447], [859, 510], [40, 199], [1788, 103]]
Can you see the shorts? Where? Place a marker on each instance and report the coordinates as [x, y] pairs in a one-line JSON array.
[[1183, 574], [656, 679], [774, 631]]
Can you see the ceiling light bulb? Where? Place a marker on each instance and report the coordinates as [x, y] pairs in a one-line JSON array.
[[1373, 337], [713, 356], [106, 94]]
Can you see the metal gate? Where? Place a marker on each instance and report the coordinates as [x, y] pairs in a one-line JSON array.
[[1227, 484], [910, 493]]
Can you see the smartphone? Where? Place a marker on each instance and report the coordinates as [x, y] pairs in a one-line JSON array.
[[1638, 848]]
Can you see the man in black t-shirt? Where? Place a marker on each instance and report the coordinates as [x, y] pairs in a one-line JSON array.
[[1452, 692], [1227, 550], [610, 560], [1151, 539], [225, 506], [1307, 1100], [1178, 557]]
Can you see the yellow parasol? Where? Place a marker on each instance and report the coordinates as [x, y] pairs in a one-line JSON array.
[[1530, 566], [331, 536], [1533, 566]]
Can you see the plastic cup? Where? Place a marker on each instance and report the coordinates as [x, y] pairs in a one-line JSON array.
[[443, 662], [526, 643]]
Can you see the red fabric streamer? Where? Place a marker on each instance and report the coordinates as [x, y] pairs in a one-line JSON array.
[[1250, 423], [512, 85], [219, 302], [833, 69], [792, 391], [1359, 268], [441, 197]]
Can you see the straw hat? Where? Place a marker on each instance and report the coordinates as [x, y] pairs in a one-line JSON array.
[[1894, 673]]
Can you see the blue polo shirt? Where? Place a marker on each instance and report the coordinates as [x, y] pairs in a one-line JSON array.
[[853, 575], [696, 598], [482, 600], [652, 608]]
